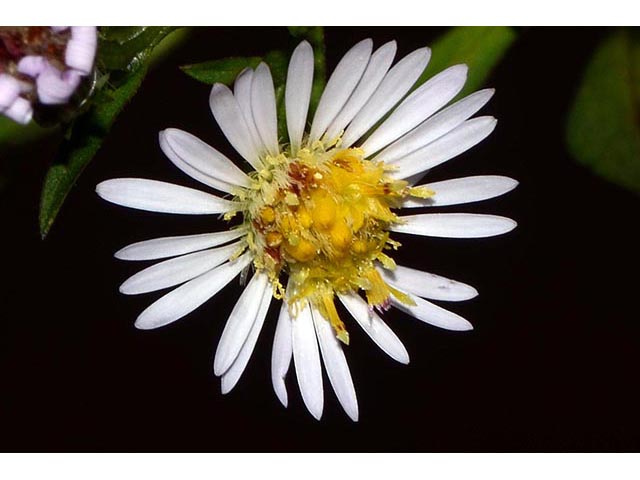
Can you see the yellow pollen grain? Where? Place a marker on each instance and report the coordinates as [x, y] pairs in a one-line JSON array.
[[359, 246], [302, 251], [273, 239], [340, 235], [304, 218], [321, 218], [268, 215], [324, 211]]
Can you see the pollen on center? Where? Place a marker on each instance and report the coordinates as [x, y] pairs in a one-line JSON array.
[[321, 219]]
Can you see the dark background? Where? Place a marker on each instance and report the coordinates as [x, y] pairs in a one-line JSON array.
[[551, 365]]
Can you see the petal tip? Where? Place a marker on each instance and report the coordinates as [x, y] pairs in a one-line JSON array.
[[403, 358], [142, 323], [281, 394], [317, 414], [225, 387], [218, 367], [121, 254]]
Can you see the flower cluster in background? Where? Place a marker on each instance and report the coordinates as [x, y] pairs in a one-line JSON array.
[[42, 65]]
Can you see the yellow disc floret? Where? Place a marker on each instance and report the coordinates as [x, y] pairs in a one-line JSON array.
[[322, 218]]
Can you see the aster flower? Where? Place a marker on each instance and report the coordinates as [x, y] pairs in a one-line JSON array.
[[44, 65], [315, 217]]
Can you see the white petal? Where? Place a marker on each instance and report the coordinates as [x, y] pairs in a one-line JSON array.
[[306, 358], [436, 126], [341, 84], [177, 270], [242, 92], [454, 225], [230, 118], [190, 170], [162, 197], [432, 314], [458, 140], [231, 376], [393, 88], [422, 103], [379, 331], [281, 354], [298, 92], [183, 148], [463, 190], [416, 177], [263, 106], [173, 246], [427, 285], [336, 365], [239, 323], [371, 78], [186, 298]]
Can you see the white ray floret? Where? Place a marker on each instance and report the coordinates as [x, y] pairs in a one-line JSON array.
[[242, 92], [336, 366], [281, 354], [371, 78], [229, 116], [202, 157], [188, 168], [428, 285], [373, 325], [177, 270], [435, 127], [341, 84], [189, 296], [239, 323], [232, 375], [306, 358], [454, 225], [173, 246], [298, 92], [393, 87], [459, 191], [263, 106], [156, 196], [457, 141], [422, 103], [432, 314]]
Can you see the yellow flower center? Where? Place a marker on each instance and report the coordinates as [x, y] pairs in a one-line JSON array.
[[321, 218]]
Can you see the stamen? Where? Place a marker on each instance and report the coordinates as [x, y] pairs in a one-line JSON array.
[[322, 218]]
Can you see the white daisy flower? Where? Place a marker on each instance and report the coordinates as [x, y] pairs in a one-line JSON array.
[[318, 214]]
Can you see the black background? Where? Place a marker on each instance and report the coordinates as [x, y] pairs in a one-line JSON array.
[[551, 365]]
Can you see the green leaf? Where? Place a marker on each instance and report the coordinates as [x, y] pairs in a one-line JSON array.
[[227, 69], [124, 56], [13, 134], [77, 151], [223, 71], [481, 48], [603, 128], [126, 48]]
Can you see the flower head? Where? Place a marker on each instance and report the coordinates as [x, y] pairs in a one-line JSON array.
[[318, 216], [42, 64]]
